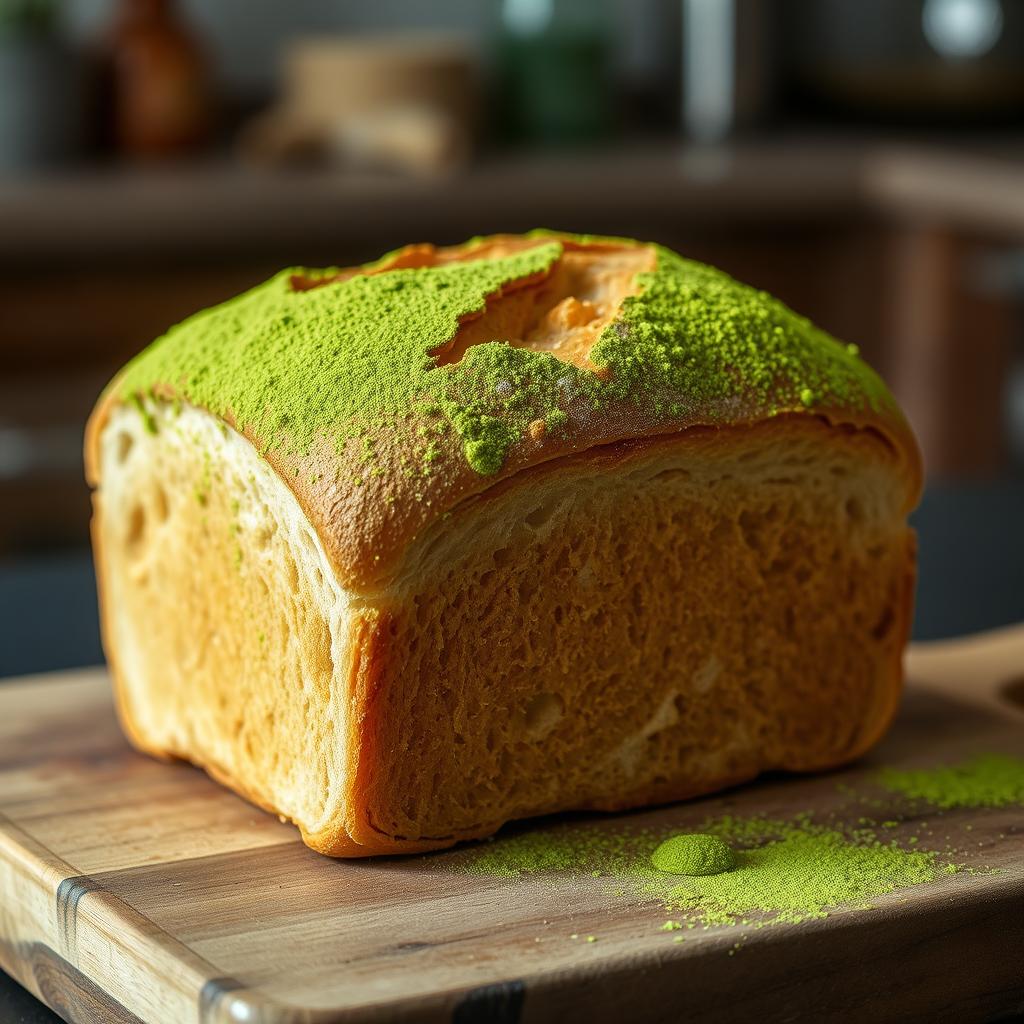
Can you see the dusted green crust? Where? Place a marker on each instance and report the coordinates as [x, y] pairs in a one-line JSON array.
[[349, 360]]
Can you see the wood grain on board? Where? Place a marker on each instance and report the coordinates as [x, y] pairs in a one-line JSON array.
[[137, 891]]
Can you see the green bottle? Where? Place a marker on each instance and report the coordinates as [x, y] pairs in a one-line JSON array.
[[554, 70]]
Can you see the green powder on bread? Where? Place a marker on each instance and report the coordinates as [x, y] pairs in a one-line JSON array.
[[988, 780], [352, 359]]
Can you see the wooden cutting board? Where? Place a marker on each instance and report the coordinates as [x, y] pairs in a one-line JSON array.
[[132, 890]]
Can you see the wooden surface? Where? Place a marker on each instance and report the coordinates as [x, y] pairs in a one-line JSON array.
[[202, 211], [132, 890]]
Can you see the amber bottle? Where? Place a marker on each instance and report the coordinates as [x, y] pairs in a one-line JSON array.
[[156, 96]]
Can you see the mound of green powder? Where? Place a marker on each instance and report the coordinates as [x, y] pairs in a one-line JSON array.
[[695, 854], [352, 359], [802, 875], [989, 780], [784, 871]]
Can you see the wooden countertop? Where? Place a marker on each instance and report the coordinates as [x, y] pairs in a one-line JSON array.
[[211, 210], [139, 891]]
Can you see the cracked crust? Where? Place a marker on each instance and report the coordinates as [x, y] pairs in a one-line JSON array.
[[365, 521]]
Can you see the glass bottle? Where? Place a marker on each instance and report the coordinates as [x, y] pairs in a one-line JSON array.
[[156, 88], [554, 70]]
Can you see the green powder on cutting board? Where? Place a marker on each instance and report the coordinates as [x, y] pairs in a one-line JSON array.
[[784, 871], [577, 850], [988, 780]]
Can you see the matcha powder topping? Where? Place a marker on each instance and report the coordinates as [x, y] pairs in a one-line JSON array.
[[337, 358]]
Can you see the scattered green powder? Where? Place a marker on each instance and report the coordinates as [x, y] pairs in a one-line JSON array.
[[989, 780], [698, 854], [560, 850], [294, 366], [785, 871]]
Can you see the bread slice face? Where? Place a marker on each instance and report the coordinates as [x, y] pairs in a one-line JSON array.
[[640, 622], [225, 626]]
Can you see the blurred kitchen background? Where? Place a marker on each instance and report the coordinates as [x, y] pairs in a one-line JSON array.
[[862, 159]]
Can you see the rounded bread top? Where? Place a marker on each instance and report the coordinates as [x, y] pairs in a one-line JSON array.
[[385, 394]]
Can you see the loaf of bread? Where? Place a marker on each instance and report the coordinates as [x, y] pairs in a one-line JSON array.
[[535, 523]]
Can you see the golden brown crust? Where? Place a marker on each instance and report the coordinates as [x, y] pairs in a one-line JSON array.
[[376, 790], [366, 528]]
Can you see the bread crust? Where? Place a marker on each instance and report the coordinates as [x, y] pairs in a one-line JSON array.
[[362, 836]]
